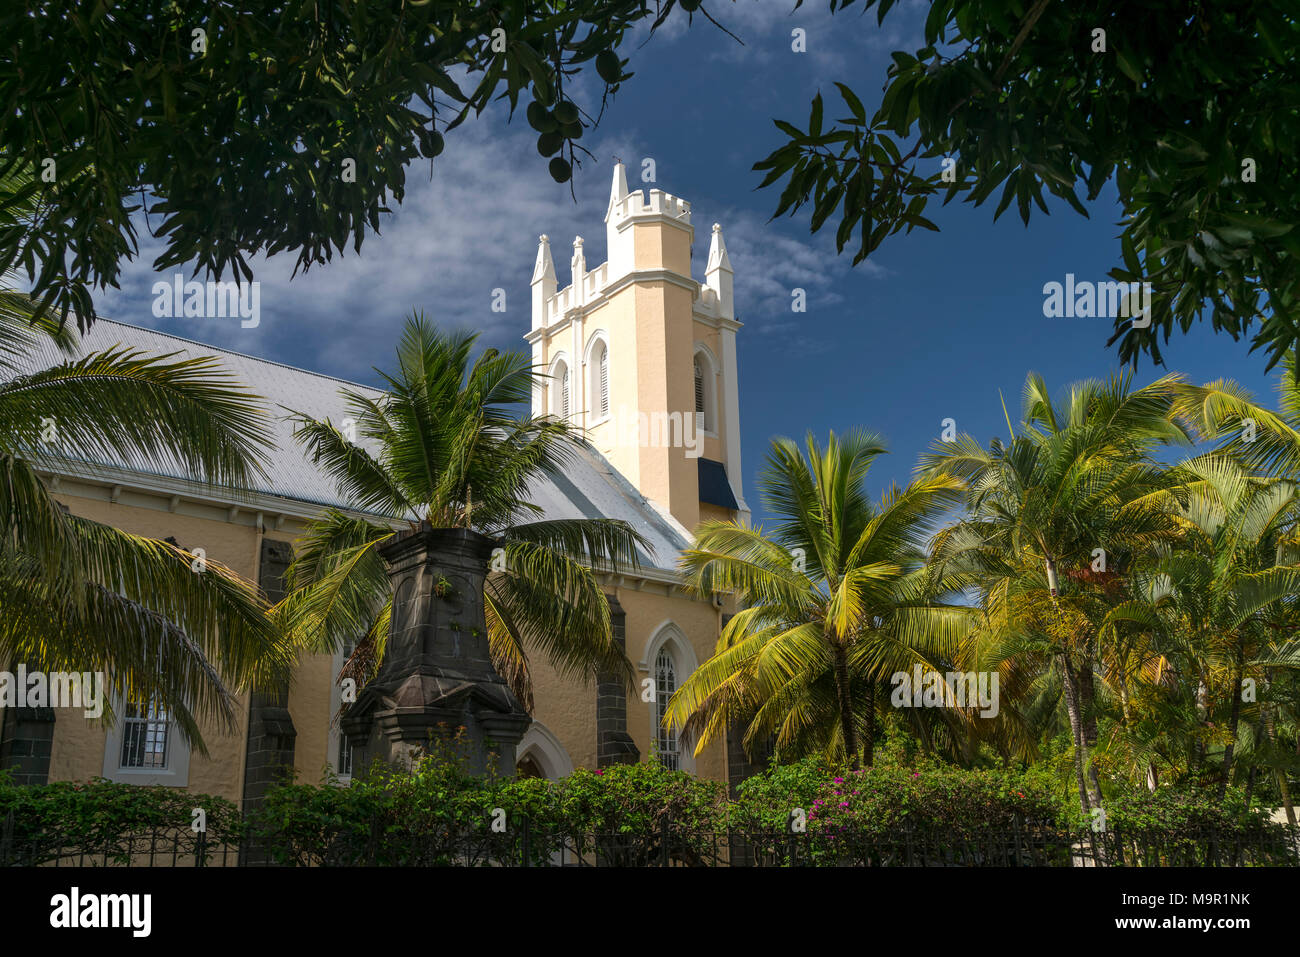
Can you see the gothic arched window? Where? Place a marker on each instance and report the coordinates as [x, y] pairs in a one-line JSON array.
[[561, 390], [704, 385], [665, 684], [598, 387]]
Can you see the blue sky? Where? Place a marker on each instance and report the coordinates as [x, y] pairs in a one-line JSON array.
[[931, 327]]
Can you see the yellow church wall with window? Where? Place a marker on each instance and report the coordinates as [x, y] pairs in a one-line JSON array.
[[659, 326]]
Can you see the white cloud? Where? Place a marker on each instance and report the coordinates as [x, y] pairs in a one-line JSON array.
[[452, 241], [469, 231], [770, 265]]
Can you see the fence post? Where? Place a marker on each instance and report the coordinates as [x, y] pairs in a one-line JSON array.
[[663, 841], [201, 848], [526, 849]]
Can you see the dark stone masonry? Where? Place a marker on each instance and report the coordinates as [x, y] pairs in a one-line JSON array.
[[437, 676], [613, 744]]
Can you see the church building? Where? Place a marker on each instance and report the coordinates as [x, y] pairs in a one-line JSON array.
[[640, 354]]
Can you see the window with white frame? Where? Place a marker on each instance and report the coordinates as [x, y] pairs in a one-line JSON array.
[[146, 734], [665, 684], [145, 745]]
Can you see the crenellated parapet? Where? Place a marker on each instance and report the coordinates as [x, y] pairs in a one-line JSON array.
[[627, 210], [635, 204]]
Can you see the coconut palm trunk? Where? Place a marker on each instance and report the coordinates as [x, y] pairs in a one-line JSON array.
[[1279, 774], [1070, 686], [1234, 721], [869, 725], [1088, 724], [844, 697]]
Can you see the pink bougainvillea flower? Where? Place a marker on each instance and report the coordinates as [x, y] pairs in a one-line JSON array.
[[839, 780]]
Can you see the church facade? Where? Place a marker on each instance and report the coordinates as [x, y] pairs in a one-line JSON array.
[[640, 355]]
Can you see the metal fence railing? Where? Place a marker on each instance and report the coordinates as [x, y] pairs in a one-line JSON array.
[[666, 845]]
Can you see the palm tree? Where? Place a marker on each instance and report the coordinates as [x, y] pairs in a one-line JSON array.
[[1268, 442], [1231, 580], [1056, 518], [1265, 440], [834, 600], [77, 595], [442, 446]]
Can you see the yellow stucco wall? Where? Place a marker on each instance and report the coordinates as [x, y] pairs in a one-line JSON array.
[[311, 707], [715, 513], [77, 751], [657, 245], [567, 707], [650, 322], [648, 614]]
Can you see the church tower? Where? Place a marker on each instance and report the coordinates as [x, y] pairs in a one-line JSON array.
[[642, 356]]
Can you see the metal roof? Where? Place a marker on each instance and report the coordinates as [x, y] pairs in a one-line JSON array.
[[588, 488]]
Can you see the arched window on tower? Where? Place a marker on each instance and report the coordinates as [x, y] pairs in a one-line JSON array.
[[598, 386], [699, 389], [561, 390], [704, 386], [667, 747], [603, 373]]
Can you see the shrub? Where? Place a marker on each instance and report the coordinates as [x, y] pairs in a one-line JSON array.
[[100, 818], [441, 813], [1183, 810], [965, 803], [1191, 826], [766, 800]]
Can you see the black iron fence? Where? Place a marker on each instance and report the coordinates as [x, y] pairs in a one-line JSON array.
[[666, 845]]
